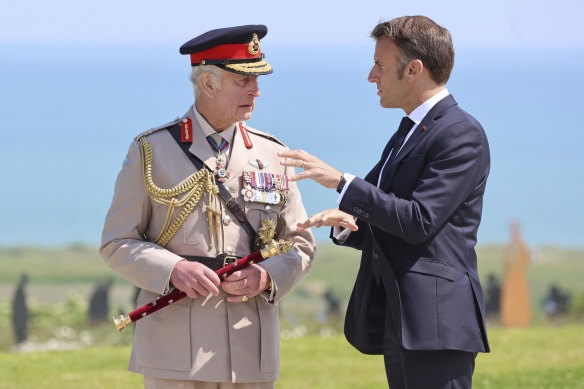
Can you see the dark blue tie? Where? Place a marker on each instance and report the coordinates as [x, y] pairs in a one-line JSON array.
[[404, 127]]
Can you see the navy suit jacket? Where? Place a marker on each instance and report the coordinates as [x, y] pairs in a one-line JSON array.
[[417, 233]]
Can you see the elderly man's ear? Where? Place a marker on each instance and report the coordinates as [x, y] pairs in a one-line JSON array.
[[207, 84]]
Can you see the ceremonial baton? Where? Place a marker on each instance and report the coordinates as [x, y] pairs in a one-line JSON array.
[[271, 249]]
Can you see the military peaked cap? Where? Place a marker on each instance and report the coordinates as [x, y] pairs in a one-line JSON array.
[[235, 49]]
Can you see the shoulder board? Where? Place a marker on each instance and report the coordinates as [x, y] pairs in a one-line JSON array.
[[154, 129], [264, 135]]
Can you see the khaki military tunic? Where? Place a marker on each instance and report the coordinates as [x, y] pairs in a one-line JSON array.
[[205, 339]]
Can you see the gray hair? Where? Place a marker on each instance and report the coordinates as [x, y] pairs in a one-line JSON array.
[[197, 71]]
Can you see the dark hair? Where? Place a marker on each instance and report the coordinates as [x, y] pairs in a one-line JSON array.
[[419, 37]]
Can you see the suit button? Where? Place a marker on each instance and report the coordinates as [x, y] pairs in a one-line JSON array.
[[226, 220]]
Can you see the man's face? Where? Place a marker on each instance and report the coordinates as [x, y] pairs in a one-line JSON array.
[[236, 97], [393, 89]]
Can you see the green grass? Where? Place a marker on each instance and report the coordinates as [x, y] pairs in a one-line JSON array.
[[75, 264], [103, 367], [533, 358], [537, 357]]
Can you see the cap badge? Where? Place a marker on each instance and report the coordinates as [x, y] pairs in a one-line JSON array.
[[254, 46]]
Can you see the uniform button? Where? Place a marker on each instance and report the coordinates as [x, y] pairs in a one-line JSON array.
[[226, 220], [228, 250], [267, 207]]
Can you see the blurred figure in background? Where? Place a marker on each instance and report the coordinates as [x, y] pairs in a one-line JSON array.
[[333, 304], [492, 296], [557, 302], [99, 304], [20, 310], [515, 302]]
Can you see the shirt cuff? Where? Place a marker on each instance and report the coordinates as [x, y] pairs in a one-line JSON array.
[[269, 294], [348, 177], [341, 234]]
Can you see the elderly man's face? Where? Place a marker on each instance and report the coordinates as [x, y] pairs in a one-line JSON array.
[[236, 97]]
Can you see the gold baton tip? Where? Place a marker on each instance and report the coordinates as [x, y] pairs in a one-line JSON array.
[[122, 322], [276, 248]]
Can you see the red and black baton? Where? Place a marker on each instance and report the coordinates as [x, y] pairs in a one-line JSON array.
[[271, 249]]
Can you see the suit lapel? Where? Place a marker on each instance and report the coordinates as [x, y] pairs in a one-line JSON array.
[[420, 132], [373, 176]]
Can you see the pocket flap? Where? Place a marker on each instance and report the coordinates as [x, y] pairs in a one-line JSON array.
[[431, 267]]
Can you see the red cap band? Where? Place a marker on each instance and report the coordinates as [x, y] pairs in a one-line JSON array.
[[234, 51]]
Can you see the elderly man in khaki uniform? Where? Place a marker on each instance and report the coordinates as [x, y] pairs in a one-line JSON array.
[[169, 226]]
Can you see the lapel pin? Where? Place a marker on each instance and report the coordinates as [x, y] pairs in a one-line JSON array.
[[258, 164]]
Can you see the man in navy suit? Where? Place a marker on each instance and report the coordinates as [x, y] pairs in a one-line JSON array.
[[417, 298]]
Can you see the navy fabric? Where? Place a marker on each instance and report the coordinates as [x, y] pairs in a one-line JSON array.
[[417, 233], [223, 36], [449, 369]]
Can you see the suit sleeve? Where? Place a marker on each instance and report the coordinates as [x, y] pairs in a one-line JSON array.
[[456, 162], [123, 244]]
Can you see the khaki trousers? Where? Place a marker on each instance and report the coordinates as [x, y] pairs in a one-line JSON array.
[[161, 383]]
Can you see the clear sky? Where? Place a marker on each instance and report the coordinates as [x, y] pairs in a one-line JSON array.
[[307, 22]]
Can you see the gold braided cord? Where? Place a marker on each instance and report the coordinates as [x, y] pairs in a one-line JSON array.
[[257, 67], [167, 219], [195, 187], [182, 216], [160, 192]]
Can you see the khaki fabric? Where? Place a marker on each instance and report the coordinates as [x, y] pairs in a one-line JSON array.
[[202, 339]]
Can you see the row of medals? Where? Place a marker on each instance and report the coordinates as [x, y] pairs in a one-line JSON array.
[[258, 187], [269, 188]]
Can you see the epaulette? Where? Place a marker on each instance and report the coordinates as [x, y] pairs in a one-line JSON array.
[[154, 129], [264, 135]]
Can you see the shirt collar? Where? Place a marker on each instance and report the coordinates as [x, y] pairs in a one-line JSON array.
[[418, 114], [226, 134]]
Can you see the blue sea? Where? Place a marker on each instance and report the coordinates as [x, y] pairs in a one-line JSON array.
[[69, 112]]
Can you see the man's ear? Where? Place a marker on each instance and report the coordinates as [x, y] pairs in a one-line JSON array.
[[414, 69], [206, 84]]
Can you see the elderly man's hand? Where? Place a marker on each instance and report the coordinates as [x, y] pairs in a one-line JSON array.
[[314, 168], [246, 283], [195, 279], [330, 217]]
